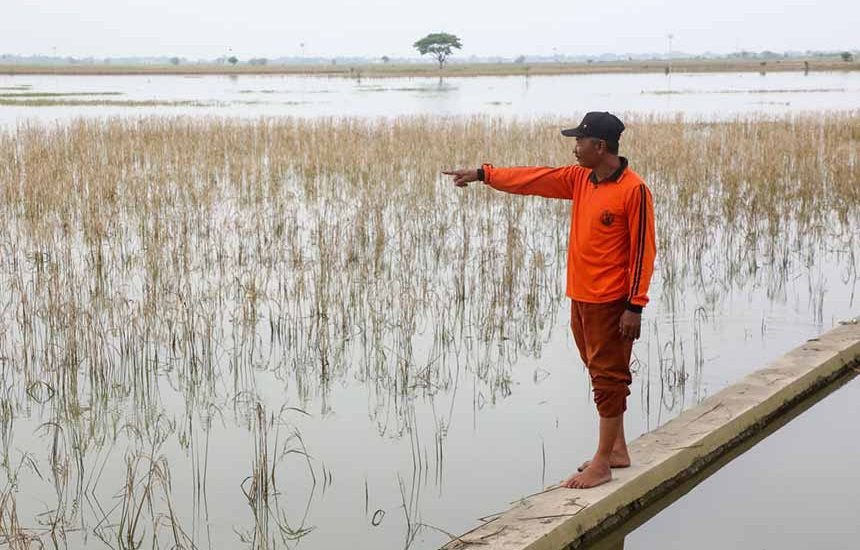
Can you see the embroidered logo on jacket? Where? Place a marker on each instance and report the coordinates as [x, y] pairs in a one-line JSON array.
[[607, 217]]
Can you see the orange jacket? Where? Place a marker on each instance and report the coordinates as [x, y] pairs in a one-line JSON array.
[[612, 247]]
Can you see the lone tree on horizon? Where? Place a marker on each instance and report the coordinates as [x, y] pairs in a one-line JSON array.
[[439, 45]]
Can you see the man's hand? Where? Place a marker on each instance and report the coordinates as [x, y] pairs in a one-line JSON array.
[[462, 178], [630, 324]]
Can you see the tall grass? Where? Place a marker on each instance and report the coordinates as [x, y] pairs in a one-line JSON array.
[[156, 273]]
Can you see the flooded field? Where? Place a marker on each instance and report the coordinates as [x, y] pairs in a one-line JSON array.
[[293, 332], [708, 96]]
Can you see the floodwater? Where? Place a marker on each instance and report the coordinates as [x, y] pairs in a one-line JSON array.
[[696, 95], [796, 489], [385, 474]]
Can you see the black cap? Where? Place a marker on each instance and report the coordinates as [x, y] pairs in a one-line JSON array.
[[596, 124]]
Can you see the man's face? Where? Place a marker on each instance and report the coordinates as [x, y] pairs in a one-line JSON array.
[[589, 151]]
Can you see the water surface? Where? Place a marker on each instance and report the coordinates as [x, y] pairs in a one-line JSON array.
[[388, 473], [708, 95]]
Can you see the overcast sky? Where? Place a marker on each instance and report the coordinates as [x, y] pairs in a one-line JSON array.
[[270, 28]]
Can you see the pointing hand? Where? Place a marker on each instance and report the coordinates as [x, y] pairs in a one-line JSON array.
[[462, 178]]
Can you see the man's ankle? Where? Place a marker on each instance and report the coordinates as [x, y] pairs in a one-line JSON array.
[[602, 461]]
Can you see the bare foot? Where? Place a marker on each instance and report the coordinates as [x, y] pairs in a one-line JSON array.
[[618, 459], [592, 476]]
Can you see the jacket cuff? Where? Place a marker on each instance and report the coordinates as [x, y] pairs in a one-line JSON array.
[[484, 172], [634, 308]]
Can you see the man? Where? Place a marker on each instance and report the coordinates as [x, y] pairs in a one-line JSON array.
[[609, 265]]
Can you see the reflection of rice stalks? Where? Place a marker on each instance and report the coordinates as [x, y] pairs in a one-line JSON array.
[[411, 510], [699, 316], [141, 494], [146, 511], [12, 533], [671, 359], [261, 487]]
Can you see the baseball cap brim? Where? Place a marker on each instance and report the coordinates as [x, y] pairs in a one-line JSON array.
[[573, 132]]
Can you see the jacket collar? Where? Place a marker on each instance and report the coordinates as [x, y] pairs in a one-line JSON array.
[[613, 177]]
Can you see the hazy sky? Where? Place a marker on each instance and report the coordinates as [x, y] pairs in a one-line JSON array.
[[269, 28]]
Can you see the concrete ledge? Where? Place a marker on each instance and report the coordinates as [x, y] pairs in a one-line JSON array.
[[562, 518]]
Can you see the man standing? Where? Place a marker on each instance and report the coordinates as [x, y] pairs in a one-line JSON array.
[[609, 265]]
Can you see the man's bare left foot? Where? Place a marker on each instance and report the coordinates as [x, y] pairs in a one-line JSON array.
[[592, 476], [616, 460]]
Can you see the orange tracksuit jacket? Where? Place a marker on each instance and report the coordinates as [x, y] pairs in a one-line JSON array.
[[612, 246]]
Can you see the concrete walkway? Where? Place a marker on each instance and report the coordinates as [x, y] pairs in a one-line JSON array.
[[664, 459]]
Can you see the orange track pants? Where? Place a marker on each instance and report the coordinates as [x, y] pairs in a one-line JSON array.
[[605, 352]]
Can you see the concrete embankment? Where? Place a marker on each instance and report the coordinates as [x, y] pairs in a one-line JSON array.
[[697, 442]]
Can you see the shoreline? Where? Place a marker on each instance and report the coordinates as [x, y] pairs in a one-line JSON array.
[[452, 70]]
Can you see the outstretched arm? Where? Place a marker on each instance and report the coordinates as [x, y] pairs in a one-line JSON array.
[[554, 183]]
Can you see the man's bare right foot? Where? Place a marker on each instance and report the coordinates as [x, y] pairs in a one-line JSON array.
[[616, 460], [593, 476]]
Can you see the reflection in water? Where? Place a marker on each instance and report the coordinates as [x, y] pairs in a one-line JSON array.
[[272, 526], [216, 331]]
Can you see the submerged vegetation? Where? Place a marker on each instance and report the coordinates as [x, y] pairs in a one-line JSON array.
[[164, 280], [28, 94], [73, 100]]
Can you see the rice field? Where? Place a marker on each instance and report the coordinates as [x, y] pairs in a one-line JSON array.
[[181, 298]]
